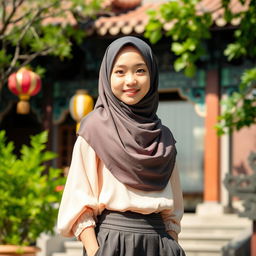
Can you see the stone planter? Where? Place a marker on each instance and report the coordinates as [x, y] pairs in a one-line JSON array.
[[17, 250]]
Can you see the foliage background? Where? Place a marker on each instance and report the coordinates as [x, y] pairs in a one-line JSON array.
[[30, 28], [29, 191], [189, 33]]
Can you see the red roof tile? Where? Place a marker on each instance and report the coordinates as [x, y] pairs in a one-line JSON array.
[[134, 21]]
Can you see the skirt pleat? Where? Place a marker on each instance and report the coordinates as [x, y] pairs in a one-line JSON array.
[[133, 234]]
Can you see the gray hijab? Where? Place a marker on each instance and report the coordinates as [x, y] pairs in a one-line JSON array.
[[130, 139]]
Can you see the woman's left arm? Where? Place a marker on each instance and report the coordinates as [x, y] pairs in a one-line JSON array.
[[173, 217]]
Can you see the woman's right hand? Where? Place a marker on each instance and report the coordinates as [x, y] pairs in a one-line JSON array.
[[89, 241]]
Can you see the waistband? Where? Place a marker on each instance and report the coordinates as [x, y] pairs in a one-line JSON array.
[[131, 222]]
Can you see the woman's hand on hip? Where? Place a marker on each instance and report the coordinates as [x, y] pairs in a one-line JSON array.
[[173, 234]]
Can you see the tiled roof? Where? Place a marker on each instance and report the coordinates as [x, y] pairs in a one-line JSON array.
[[134, 21]]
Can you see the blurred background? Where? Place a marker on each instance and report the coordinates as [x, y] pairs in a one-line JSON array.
[[206, 57]]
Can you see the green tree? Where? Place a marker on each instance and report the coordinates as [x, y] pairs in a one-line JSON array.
[[189, 28], [32, 28]]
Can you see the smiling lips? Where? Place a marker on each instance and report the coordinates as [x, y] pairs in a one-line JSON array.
[[131, 92]]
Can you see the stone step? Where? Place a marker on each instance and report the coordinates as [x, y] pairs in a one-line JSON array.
[[59, 254], [221, 221], [212, 228], [202, 246], [209, 232], [78, 253], [206, 236], [197, 253], [73, 244], [204, 230], [201, 249], [72, 247]]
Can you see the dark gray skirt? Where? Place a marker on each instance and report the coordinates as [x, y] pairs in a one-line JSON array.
[[134, 234]]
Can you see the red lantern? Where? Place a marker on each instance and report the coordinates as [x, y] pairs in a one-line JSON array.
[[24, 83]]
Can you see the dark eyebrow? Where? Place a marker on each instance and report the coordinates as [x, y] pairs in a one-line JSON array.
[[140, 64], [137, 65]]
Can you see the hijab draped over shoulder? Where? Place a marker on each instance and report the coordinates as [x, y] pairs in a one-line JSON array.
[[130, 139]]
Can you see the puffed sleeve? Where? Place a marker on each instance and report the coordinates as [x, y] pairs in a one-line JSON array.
[[172, 217], [80, 195]]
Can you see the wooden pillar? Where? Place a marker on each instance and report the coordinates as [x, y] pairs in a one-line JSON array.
[[211, 155]]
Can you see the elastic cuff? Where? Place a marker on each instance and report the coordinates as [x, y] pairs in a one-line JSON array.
[[85, 220], [172, 227]]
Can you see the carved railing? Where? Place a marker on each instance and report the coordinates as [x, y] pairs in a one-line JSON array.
[[244, 187]]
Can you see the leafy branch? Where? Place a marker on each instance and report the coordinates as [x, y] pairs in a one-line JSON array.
[[239, 108], [186, 29], [189, 26], [29, 29]]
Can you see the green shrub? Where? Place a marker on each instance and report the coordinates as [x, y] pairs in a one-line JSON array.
[[29, 193]]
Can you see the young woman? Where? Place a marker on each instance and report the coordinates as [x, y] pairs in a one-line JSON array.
[[123, 195]]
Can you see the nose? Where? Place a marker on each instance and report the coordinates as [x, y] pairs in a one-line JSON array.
[[130, 79]]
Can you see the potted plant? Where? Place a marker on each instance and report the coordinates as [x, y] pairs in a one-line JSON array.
[[29, 192]]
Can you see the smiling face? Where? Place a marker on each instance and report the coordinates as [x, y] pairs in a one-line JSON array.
[[130, 79]]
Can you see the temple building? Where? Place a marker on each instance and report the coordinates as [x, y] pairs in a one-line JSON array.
[[188, 106]]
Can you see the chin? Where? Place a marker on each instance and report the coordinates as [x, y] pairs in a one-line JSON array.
[[130, 102]]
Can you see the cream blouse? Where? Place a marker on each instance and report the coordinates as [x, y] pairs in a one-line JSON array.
[[90, 188]]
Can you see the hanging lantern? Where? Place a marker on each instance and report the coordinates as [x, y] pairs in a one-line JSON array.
[[24, 83], [80, 105]]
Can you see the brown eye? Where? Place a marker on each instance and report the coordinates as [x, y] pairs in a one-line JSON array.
[[119, 72], [141, 70]]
